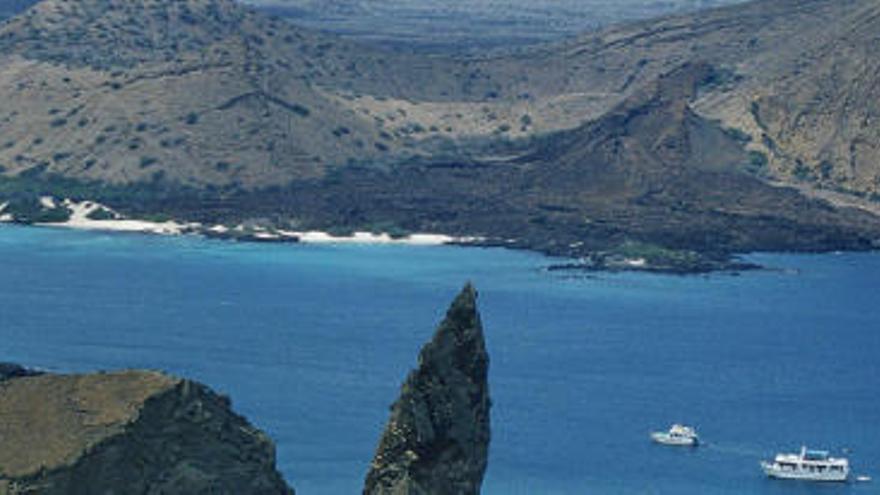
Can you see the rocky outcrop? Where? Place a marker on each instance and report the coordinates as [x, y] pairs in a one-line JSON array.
[[11, 370], [128, 432], [437, 439]]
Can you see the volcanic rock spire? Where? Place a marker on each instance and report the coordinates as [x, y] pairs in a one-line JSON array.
[[437, 439]]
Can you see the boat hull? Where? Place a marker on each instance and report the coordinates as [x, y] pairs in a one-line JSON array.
[[666, 439], [774, 471]]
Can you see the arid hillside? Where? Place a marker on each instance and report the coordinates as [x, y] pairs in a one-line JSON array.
[[208, 110]]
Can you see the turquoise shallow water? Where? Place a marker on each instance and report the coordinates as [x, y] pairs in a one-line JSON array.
[[312, 343]]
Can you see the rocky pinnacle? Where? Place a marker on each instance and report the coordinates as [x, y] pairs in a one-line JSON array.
[[437, 439]]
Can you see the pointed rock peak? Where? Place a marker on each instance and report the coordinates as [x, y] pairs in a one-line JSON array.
[[458, 342], [437, 439]]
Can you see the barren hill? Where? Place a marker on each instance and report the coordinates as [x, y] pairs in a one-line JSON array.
[[208, 110]]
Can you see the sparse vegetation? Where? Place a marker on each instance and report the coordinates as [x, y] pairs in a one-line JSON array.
[[101, 214], [757, 162], [738, 134], [148, 161], [28, 209], [802, 171], [300, 110], [825, 169]]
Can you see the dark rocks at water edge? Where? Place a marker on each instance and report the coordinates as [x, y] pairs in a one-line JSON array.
[[127, 432], [437, 439], [11, 370]]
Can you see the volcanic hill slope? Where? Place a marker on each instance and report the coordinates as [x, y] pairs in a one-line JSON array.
[[662, 134]]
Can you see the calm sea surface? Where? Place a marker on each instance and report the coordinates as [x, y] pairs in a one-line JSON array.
[[312, 343]]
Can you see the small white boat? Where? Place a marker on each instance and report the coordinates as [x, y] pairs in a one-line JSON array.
[[810, 465], [680, 435]]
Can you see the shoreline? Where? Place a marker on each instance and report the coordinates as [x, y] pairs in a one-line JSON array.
[[81, 218], [631, 257]]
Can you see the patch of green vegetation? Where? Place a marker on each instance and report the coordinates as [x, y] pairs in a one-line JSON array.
[[757, 162], [101, 214], [300, 110], [738, 134], [341, 131], [655, 255], [755, 110], [802, 171], [60, 156], [156, 217], [148, 161], [387, 227], [30, 210], [825, 169]]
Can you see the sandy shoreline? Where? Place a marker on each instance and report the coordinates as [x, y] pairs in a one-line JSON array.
[[80, 213]]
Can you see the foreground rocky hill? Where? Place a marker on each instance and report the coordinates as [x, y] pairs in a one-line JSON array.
[[127, 432]]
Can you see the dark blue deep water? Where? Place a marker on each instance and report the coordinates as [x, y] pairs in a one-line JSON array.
[[312, 343]]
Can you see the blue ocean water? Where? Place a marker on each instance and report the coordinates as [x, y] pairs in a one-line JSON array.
[[312, 343]]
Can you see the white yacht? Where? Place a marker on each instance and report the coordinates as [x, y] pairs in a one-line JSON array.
[[677, 435], [812, 465]]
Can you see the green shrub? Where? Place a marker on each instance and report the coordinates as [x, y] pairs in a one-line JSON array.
[[300, 110], [738, 134], [148, 161], [101, 214], [757, 161], [825, 169], [801, 171]]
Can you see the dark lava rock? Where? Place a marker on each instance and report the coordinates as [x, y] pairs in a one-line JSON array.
[[437, 439], [12, 370]]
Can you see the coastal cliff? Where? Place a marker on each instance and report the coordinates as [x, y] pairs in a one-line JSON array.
[[128, 432], [437, 439]]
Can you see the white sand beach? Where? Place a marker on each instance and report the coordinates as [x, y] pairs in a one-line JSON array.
[[79, 219], [81, 211]]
